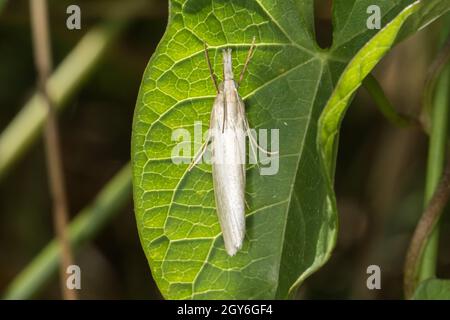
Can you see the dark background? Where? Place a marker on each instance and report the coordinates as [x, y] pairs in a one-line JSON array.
[[379, 178]]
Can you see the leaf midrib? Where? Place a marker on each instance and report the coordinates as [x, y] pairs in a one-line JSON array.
[[292, 187]]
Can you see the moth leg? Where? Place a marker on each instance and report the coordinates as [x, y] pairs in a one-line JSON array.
[[249, 56], [211, 72], [246, 204], [246, 126], [252, 139], [200, 153], [253, 142]]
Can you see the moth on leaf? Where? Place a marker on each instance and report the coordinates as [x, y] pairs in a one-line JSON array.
[[228, 130]]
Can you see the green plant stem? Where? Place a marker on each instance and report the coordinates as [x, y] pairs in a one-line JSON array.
[[434, 73], [64, 82], [387, 109], [424, 229], [83, 228], [438, 83], [421, 258], [436, 158]]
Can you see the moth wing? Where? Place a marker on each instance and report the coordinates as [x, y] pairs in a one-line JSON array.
[[228, 178]]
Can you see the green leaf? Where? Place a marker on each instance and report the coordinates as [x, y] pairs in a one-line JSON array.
[[351, 79], [292, 218], [433, 289]]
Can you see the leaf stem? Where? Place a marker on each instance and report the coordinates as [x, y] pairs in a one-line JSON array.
[[436, 158], [375, 90], [84, 227], [433, 75], [421, 258]]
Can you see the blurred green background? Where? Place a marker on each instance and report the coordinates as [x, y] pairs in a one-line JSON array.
[[379, 177]]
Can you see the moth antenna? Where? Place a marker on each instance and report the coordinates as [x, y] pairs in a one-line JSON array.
[[211, 72], [247, 60]]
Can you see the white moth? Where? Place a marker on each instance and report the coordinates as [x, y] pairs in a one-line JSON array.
[[228, 128]]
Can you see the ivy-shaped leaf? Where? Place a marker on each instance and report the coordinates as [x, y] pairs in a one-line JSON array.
[[292, 218]]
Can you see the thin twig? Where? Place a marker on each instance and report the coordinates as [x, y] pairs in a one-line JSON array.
[[429, 219], [43, 61]]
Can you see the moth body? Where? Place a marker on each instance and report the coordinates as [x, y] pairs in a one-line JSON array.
[[228, 128]]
